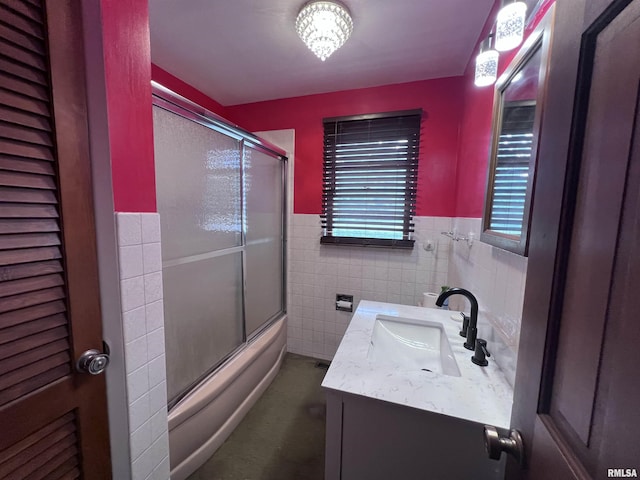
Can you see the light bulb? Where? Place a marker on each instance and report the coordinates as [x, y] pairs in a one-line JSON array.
[[486, 68], [510, 26]]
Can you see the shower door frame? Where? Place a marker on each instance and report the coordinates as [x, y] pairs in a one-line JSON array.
[[170, 101]]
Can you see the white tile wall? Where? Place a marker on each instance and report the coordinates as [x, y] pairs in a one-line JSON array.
[[497, 278], [140, 264], [317, 273]]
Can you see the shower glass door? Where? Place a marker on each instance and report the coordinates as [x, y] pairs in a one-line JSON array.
[[198, 186], [264, 237], [220, 199]]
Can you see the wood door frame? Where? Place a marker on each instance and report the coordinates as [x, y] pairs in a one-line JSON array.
[[106, 238], [552, 216]]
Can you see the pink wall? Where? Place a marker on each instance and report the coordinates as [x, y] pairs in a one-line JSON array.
[[473, 149], [182, 88], [475, 133], [127, 63], [455, 137], [440, 99]]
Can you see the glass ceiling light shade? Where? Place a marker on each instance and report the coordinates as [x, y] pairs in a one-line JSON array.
[[510, 26], [324, 27], [486, 65]]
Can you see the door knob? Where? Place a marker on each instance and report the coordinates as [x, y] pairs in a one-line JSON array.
[[495, 444], [92, 362]]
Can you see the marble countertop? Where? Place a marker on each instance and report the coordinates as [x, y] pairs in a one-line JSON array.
[[480, 394]]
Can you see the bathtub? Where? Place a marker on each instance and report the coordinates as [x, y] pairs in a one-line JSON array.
[[205, 418]]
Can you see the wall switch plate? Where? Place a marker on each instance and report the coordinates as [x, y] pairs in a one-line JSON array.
[[344, 303]]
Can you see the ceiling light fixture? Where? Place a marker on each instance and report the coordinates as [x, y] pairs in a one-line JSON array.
[[510, 25], [324, 27], [486, 64]]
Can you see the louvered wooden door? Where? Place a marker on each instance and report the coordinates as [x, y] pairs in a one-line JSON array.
[[53, 421]]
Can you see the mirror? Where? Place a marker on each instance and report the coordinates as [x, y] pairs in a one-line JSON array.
[[517, 114]]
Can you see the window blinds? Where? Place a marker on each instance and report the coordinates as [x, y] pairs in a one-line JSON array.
[[369, 179]]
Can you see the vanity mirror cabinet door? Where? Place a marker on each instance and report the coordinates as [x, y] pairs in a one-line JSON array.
[[518, 103]]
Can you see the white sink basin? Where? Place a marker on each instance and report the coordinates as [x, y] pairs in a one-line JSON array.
[[412, 344]]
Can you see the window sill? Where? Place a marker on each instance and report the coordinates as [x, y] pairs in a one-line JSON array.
[[367, 242]]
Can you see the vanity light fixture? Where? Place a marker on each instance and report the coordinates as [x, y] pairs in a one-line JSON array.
[[324, 27], [510, 25], [486, 64]]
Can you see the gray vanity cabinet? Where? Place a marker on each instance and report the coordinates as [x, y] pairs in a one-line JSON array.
[[378, 440]]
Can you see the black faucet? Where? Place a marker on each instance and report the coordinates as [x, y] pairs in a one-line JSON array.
[[469, 324]]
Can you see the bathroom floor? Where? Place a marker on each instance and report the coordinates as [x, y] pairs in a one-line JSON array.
[[282, 436]]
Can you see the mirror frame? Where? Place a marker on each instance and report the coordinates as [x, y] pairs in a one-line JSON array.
[[540, 39]]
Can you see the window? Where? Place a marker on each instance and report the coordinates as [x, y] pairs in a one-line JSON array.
[[370, 178]]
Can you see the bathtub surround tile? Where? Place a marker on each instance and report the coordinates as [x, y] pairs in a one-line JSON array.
[[138, 383], [129, 229], [134, 324], [152, 257], [142, 466], [161, 472], [154, 315], [157, 371], [422, 276], [157, 426], [294, 343], [155, 344], [355, 271], [140, 261], [365, 273], [308, 301], [150, 228], [158, 398], [132, 293], [130, 261], [139, 412], [159, 448], [295, 299], [153, 287], [140, 440], [136, 354]]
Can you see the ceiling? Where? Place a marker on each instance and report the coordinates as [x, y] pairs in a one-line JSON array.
[[241, 51]]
